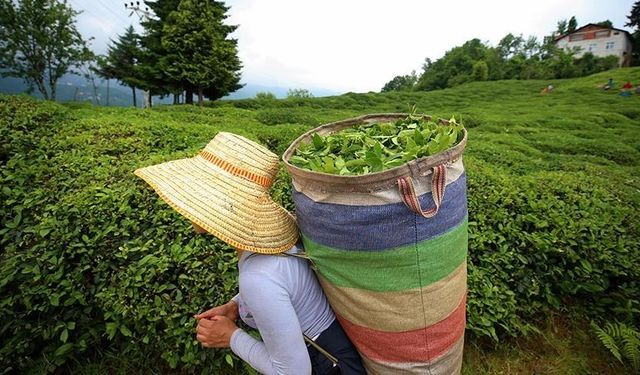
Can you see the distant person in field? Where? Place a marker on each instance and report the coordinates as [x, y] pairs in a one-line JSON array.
[[547, 89], [626, 89], [609, 85], [638, 90], [224, 191]]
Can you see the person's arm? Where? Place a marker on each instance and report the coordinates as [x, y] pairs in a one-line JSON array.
[[282, 349]]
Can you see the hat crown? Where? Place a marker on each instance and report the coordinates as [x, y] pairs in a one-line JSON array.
[[243, 158]]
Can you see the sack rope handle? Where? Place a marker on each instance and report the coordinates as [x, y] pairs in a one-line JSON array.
[[438, 185]]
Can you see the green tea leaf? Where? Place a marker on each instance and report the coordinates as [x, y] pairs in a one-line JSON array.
[[64, 335], [329, 167], [375, 147], [318, 142], [340, 163], [111, 329], [125, 331], [63, 350]]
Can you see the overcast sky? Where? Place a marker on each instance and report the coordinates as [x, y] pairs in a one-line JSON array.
[[359, 45]]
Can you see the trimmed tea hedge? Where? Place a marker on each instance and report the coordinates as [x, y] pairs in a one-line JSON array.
[[91, 261]]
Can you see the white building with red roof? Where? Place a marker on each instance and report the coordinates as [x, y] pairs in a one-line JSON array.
[[601, 41]]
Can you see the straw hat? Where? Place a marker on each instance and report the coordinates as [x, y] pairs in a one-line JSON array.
[[225, 190]]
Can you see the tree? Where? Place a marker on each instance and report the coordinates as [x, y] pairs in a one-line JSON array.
[[121, 61], [634, 21], [454, 68], [605, 23], [480, 71], [510, 45], [401, 83], [634, 16], [561, 29], [39, 43], [266, 96], [562, 65], [572, 25], [200, 52], [152, 75], [299, 93]]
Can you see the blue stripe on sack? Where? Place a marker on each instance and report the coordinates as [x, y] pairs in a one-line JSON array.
[[379, 227]]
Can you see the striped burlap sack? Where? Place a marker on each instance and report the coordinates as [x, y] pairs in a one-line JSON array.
[[390, 250]]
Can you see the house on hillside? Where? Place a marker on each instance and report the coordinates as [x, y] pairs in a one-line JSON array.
[[599, 40]]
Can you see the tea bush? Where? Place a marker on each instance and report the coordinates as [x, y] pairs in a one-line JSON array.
[[92, 262], [91, 258], [285, 116], [554, 240]]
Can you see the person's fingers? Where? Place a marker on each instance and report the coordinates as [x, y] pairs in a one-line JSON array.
[[209, 313], [206, 323], [206, 314], [200, 337]]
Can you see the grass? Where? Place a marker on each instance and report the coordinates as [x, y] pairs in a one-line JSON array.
[[561, 347]]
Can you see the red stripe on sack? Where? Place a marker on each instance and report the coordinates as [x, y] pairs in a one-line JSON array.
[[422, 345], [260, 180]]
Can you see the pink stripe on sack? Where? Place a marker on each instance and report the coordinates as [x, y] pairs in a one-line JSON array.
[[420, 345]]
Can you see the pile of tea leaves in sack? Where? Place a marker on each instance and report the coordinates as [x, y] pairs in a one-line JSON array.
[[370, 148]]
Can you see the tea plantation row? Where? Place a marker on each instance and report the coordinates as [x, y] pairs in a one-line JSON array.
[[92, 262]]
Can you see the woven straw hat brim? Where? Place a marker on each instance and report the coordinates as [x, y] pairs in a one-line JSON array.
[[236, 210]]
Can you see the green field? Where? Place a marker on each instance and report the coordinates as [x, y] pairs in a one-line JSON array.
[[98, 275]]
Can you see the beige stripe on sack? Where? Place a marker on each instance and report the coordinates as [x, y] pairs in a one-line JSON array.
[[392, 195], [399, 311]]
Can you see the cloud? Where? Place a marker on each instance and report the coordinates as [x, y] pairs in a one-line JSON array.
[[359, 45]]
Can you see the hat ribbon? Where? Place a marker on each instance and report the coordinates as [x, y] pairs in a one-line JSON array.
[[239, 172]]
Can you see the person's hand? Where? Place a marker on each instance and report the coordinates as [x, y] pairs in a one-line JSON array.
[[215, 332], [229, 310]]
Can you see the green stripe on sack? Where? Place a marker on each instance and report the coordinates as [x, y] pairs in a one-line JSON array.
[[396, 269]]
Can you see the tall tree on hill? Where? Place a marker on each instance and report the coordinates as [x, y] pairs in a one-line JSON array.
[[401, 83], [154, 78], [121, 61], [201, 53], [561, 28], [510, 45], [634, 16], [572, 25], [634, 21], [39, 43]]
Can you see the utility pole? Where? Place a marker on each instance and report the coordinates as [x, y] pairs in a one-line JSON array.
[[143, 14]]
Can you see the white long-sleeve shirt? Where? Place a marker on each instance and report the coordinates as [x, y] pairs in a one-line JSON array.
[[281, 297]]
